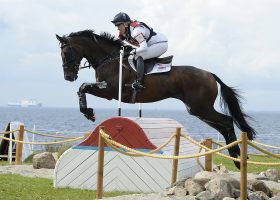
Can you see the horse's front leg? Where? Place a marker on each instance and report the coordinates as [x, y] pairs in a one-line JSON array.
[[86, 88]]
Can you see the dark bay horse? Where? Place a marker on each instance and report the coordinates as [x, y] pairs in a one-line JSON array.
[[196, 88]]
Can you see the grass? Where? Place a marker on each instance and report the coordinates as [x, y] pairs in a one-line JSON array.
[[251, 167], [17, 187]]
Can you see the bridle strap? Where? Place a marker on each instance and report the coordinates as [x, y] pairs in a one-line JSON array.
[[109, 58], [72, 57]]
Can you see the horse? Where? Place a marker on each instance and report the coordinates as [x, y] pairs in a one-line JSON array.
[[196, 88]]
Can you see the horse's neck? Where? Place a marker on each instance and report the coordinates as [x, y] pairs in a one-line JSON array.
[[100, 50]]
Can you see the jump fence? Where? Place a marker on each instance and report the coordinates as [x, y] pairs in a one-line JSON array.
[[206, 145]]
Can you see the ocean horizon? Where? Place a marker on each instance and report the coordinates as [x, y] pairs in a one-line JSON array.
[[70, 122]]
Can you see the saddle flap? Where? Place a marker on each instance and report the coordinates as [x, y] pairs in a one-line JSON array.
[[164, 60], [153, 65]]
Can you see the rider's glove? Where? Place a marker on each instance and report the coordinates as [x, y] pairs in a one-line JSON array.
[[133, 52]]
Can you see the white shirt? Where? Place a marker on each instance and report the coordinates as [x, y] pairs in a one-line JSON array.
[[140, 34]]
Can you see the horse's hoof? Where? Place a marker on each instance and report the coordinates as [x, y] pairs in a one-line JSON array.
[[88, 113], [235, 152], [237, 164], [92, 118]]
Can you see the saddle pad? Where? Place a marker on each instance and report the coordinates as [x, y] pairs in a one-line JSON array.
[[160, 68], [156, 68]]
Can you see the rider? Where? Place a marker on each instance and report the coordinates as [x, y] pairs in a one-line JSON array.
[[149, 43]]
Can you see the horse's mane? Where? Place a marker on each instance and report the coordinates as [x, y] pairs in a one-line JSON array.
[[104, 35]]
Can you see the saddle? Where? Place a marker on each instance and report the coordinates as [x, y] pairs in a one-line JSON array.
[[160, 63], [153, 65]]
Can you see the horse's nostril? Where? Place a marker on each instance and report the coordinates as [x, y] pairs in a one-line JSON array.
[[68, 78]]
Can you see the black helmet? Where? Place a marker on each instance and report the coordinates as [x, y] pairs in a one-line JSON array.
[[120, 18]]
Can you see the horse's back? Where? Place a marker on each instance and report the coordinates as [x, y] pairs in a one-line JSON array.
[[192, 73], [194, 82]]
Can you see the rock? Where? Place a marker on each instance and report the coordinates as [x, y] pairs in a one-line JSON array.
[[276, 193], [169, 191], [275, 198], [205, 175], [55, 155], [189, 197], [180, 182], [193, 187], [259, 195], [228, 198], [206, 195], [220, 169], [220, 187], [43, 160], [272, 174], [262, 176], [201, 181], [180, 191], [257, 185]]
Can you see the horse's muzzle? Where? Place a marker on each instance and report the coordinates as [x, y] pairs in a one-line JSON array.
[[70, 77]]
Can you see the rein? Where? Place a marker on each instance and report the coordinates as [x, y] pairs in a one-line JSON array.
[[109, 58]]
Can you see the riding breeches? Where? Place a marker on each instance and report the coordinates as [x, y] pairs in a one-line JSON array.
[[153, 51]]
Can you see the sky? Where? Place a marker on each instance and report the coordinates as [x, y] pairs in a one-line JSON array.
[[237, 40]]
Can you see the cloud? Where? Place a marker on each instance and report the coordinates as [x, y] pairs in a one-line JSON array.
[[237, 40], [220, 35]]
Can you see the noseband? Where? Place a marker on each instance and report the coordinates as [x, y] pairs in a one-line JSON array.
[[72, 58]]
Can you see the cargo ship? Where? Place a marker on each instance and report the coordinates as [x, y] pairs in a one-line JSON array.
[[25, 103]]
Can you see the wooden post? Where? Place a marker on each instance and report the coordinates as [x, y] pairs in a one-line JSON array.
[[19, 145], [208, 158], [243, 166], [176, 153], [99, 189]]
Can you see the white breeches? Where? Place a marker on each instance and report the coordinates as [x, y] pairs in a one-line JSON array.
[[153, 51]]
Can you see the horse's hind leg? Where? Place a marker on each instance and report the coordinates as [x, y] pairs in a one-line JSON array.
[[222, 123]]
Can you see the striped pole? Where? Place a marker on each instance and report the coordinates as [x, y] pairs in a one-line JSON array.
[[120, 81]]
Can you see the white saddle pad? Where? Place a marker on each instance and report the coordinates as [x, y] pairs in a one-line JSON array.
[[158, 67]]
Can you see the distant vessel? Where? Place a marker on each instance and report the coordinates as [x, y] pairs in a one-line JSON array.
[[25, 103]]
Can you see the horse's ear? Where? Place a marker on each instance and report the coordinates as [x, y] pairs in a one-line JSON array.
[[60, 39]]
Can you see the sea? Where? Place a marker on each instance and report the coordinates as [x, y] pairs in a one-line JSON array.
[[70, 122]]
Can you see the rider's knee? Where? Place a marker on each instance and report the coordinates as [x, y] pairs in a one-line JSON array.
[[139, 59]]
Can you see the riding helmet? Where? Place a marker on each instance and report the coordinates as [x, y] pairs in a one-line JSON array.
[[120, 18]]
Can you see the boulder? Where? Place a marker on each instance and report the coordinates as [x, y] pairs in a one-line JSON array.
[[220, 169], [272, 174], [43, 160], [206, 195], [193, 187], [180, 191], [205, 175], [257, 185], [220, 187], [258, 195]]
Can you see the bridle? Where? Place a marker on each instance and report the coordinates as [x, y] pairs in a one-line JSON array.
[[109, 58], [72, 57]]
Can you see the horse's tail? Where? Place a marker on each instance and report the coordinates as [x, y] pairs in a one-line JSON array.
[[230, 99]]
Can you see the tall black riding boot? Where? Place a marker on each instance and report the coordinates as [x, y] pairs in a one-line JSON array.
[[140, 73]]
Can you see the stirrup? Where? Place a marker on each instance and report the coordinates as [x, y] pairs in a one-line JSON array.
[[137, 86]]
